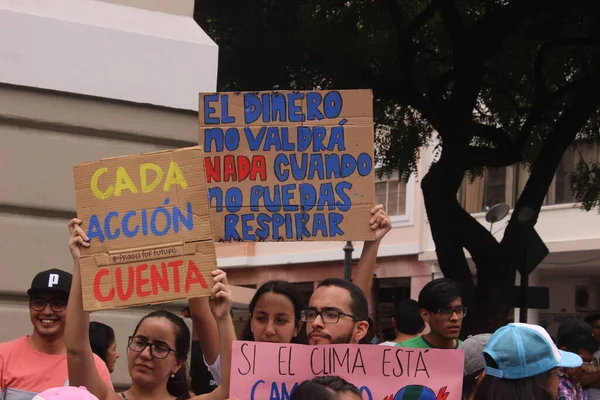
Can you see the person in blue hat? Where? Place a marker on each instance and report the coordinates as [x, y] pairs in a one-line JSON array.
[[522, 363]]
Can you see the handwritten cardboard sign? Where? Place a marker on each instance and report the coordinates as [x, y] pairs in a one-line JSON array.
[[148, 222], [272, 371], [289, 165]]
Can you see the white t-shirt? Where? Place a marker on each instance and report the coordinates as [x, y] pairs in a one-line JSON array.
[[215, 369], [387, 344]]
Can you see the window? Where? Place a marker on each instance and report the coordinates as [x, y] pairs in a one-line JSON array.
[[504, 185], [392, 194]]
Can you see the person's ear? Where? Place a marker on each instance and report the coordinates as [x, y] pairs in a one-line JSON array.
[[360, 331], [426, 315], [178, 365]]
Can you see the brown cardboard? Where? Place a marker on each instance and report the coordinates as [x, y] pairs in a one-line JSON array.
[[344, 216], [152, 259]]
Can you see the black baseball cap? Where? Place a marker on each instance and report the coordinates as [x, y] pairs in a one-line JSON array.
[[52, 280]]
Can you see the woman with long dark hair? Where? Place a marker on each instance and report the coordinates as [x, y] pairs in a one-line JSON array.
[[158, 347], [104, 344], [274, 317], [275, 309], [521, 363]]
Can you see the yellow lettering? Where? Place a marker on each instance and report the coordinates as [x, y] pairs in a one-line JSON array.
[[174, 176], [123, 182], [94, 184], [143, 172]]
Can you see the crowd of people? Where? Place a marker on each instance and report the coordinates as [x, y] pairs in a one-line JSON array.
[[68, 354]]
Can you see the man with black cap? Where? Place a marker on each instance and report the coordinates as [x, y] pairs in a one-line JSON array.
[[32, 364]]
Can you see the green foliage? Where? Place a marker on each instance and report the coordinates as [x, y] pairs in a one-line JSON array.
[[414, 54], [585, 183]]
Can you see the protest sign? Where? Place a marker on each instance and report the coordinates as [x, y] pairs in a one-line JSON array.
[[272, 371], [148, 222], [289, 165]]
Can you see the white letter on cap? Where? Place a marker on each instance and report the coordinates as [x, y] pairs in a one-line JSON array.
[[53, 280]]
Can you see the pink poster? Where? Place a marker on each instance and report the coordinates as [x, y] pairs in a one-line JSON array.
[[271, 371]]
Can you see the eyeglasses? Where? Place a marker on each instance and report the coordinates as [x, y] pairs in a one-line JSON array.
[[328, 316], [39, 303], [157, 350], [447, 312]]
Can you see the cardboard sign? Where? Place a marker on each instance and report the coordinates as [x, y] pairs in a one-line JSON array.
[[289, 165], [272, 371], [148, 222]]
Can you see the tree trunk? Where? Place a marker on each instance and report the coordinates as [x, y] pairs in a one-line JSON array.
[[453, 229]]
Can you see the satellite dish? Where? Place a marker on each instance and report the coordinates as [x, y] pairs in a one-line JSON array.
[[496, 213]]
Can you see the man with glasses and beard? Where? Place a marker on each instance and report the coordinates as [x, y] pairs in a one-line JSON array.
[[31, 364], [441, 308], [337, 312]]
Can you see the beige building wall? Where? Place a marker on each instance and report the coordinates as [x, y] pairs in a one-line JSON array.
[[82, 80], [42, 135]]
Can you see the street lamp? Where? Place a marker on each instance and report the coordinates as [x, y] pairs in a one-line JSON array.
[[348, 249]]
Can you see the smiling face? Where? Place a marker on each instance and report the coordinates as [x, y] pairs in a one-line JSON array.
[[47, 323], [273, 319], [148, 371]]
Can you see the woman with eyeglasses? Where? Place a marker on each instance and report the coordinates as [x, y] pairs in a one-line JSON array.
[[157, 349]]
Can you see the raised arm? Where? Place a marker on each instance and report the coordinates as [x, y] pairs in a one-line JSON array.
[[206, 327], [220, 304], [80, 359], [381, 224]]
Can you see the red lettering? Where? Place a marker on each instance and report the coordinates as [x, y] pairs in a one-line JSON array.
[[157, 279], [124, 296], [175, 265], [98, 284], [229, 172], [213, 169], [243, 164], [139, 281], [194, 276], [259, 167]]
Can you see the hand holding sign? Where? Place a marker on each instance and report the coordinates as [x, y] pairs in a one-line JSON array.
[[78, 238], [220, 299], [147, 227], [380, 222]]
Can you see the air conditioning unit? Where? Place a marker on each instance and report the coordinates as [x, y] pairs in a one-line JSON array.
[[586, 298]]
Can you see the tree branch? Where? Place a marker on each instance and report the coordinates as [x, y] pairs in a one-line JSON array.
[[488, 157], [495, 135], [453, 24], [540, 88], [585, 103], [487, 36]]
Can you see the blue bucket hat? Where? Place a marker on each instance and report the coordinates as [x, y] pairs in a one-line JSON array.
[[524, 350]]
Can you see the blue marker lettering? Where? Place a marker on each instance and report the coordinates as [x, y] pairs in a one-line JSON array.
[[246, 227], [94, 229], [334, 221], [216, 194], [225, 117], [313, 100], [125, 225], [208, 110], [233, 199], [332, 104], [231, 232], [295, 110]]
